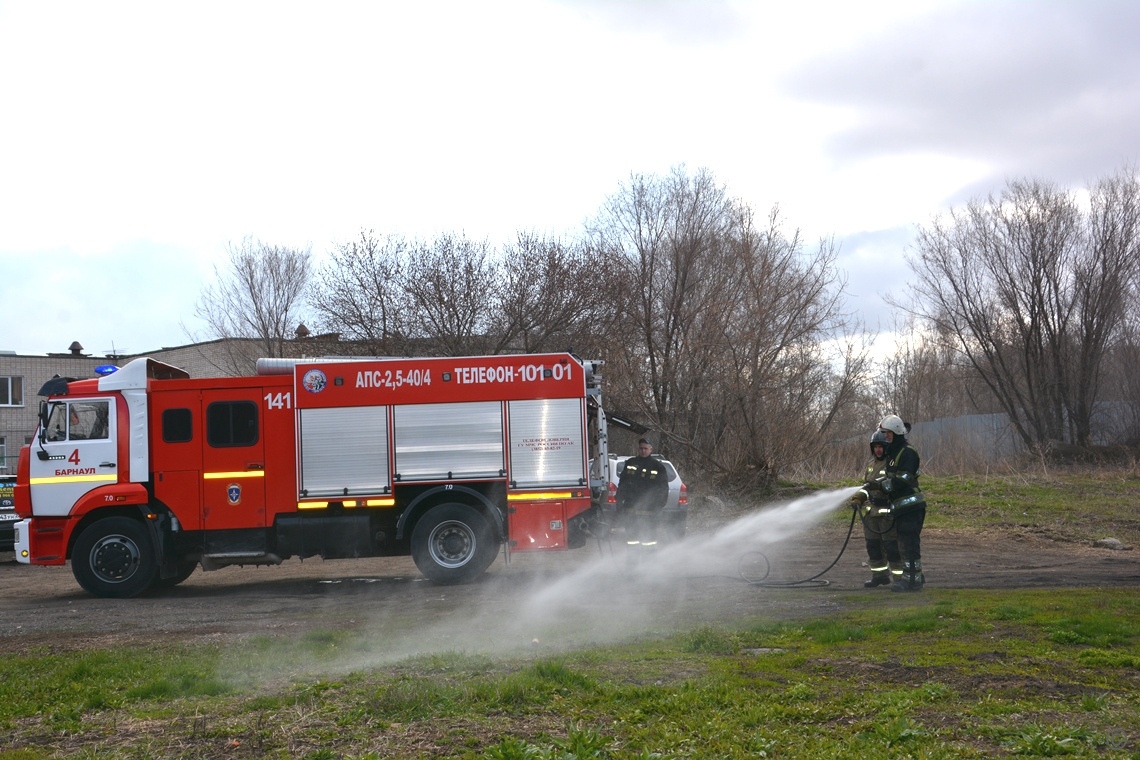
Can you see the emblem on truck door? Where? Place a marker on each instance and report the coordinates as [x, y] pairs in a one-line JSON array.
[[233, 493]]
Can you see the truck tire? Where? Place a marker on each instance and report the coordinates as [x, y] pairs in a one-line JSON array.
[[185, 570], [114, 558], [453, 543]]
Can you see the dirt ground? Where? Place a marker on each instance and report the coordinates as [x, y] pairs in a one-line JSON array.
[[590, 595]]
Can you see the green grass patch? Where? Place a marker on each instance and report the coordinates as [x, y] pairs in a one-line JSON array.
[[62, 687], [949, 673], [1078, 506]]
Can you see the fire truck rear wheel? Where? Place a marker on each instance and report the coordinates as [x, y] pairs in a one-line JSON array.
[[114, 557], [453, 543]]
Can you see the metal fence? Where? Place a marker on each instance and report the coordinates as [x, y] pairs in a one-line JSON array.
[[992, 437]]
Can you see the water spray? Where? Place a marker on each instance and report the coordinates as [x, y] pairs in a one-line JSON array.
[[806, 508], [739, 538], [815, 580]]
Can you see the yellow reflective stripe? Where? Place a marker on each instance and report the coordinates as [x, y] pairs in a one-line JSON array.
[[111, 478], [539, 495], [229, 475], [389, 502]]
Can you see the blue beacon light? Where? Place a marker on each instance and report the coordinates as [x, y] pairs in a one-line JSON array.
[[105, 369]]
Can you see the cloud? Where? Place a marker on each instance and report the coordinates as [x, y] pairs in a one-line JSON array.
[[876, 269], [1022, 86], [301, 125]]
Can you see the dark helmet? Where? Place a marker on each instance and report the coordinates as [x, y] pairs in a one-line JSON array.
[[879, 438]]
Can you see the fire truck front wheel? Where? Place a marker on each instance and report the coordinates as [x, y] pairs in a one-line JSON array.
[[184, 571], [114, 557], [453, 543]]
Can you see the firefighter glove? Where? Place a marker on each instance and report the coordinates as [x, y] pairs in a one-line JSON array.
[[885, 484]]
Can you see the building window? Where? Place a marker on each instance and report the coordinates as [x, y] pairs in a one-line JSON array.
[[3, 455], [11, 391]]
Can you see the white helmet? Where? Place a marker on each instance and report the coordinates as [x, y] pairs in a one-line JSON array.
[[893, 423]]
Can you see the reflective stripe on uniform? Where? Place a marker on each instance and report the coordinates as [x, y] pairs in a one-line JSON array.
[[909, 501]]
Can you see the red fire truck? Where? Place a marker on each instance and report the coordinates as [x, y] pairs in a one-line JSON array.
[[143, 474]]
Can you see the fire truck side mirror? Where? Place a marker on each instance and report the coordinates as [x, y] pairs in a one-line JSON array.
[[43, 420], [46, 409]]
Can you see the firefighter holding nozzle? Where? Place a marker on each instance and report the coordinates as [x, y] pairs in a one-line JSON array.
[[906, 509], [874, 506], [643, 488]]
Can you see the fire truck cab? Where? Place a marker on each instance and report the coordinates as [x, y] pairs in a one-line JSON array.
[[140, 476]]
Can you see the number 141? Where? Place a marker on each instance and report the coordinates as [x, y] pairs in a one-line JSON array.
[[279, 400]]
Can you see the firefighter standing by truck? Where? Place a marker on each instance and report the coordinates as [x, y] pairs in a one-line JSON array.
[[643, 488], [874, 506], [908, 505]]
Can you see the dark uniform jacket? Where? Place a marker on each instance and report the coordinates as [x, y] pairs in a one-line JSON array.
[[900, 481], [643, 485]]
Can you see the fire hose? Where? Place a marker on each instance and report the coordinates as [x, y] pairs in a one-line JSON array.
[[814, 580]]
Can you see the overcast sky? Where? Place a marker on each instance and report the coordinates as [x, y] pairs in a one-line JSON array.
[[138, 139]]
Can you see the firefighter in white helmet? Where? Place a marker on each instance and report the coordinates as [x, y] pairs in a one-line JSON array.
[[907, 503], [874, 506]]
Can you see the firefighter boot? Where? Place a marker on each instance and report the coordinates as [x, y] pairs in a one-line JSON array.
[[896, 571], [880, 574], [911, 579], [877, 579]]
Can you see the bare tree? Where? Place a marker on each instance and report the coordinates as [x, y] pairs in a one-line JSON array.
[[1104, 292], [257, 295], [450, 283], [553, 296], [721, 341], [359, 293], [663, 234], [925, 377], [1115, 212], [1123, 420], [1032, 289], [793, 376]]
